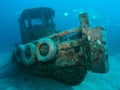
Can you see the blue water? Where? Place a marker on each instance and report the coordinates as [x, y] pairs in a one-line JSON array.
[[101, 12]]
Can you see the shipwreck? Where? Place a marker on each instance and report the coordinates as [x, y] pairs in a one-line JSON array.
[[64, 56]]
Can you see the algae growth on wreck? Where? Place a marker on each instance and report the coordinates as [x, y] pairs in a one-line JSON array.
[[50, 45]]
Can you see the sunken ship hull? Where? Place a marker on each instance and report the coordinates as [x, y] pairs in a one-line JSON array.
[[64, 56]]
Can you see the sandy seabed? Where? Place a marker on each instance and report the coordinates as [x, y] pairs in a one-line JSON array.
[[92, 81]]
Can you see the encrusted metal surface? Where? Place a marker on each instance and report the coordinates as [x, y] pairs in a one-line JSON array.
[[88, 51]]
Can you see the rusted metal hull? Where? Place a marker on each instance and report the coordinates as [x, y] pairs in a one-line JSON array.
[[70, 75], [72, 58]]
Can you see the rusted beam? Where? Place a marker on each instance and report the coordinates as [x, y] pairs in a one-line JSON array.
[[66, 32], [84, 20]]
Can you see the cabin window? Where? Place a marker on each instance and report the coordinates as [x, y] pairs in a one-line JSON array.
[[36, 22]]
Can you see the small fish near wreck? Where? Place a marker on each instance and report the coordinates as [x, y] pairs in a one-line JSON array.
[[64, 56]]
